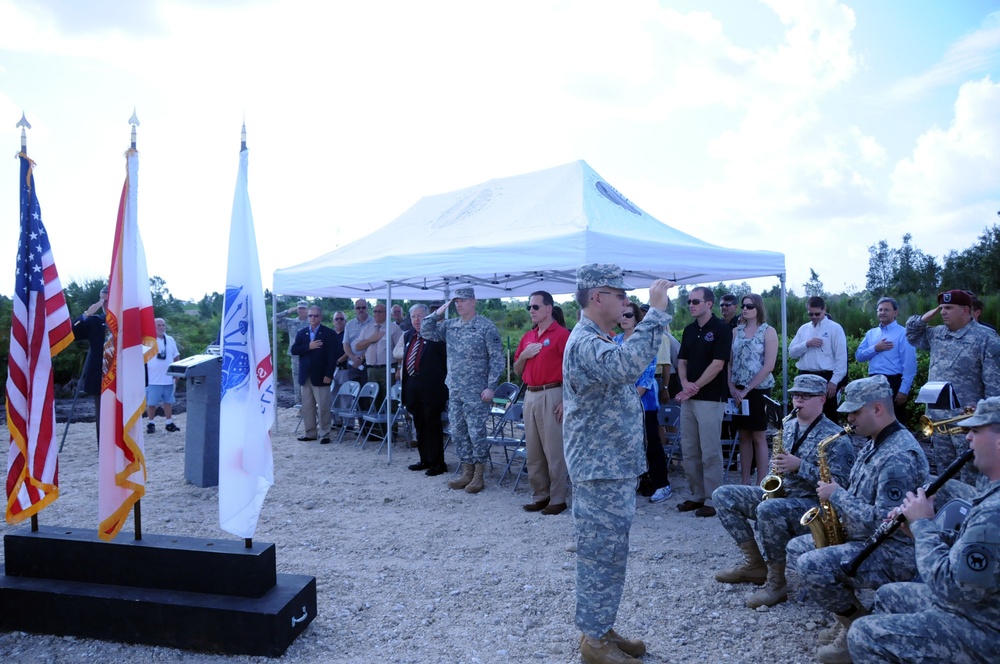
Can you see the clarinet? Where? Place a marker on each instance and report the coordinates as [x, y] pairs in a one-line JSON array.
[[888, 528]]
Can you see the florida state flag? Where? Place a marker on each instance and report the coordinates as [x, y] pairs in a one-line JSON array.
[[130, 343]]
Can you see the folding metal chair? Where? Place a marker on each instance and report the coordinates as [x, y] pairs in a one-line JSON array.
[[669, 417], [508, 434], [345, 401], [368, 391]]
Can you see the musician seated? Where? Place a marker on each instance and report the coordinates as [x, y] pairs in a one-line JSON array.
[[888, 466], [954, 615], [778, 517]]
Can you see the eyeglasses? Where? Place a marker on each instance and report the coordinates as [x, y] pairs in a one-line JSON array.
[[748, 306], [340, 318], [620, 296], [314, 316], [359, 308], [695, 302], [534, 307], [628, 314], [804, 397]]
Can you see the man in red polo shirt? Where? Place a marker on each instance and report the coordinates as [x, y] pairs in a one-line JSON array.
[[538, 361]]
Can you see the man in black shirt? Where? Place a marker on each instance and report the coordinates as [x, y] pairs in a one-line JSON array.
[[705, 349]]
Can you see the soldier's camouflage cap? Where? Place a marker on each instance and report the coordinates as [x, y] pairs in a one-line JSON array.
[[808, 384], [303, 304], [987, 412], [465, 293], [864, 391], [595, 275]]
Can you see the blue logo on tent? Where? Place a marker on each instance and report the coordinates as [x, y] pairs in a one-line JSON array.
[[612, 195]]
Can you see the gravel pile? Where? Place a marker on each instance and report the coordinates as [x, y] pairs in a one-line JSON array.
[[410, 571]]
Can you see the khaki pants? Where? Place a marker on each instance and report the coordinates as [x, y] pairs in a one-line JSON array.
[[543, 443], [701, 444]]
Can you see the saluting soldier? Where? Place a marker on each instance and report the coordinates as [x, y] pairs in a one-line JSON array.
[[963, 353], [954, 615], [778, 518], [605, 451], [475, 362]]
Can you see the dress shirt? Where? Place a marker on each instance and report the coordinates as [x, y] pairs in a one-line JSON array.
[[831, 356], [375, 353], [900, 359]]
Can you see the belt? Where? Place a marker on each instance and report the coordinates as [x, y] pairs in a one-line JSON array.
[[546, 386], [379, 366]]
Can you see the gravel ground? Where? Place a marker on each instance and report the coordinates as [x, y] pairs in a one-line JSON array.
[[410, 571]]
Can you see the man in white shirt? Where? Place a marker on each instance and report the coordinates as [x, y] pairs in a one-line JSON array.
[[160, 386], [820, 348]]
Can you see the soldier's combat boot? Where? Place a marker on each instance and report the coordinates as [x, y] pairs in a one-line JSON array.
[[830, 633], [836, 651], [633, 647], [607, 653], [775, 591], [462, 480], [753, 570], [477, 483]]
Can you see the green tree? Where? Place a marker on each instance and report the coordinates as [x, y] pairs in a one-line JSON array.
[[881, 268], [814, 287]]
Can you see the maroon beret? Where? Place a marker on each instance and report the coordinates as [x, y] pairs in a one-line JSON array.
[[959, 297]]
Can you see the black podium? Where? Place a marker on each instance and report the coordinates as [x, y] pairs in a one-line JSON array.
[[179, 592]]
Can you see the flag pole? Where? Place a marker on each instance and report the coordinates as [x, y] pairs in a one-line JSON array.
[[137, 509], [24, 124], [247, 541]]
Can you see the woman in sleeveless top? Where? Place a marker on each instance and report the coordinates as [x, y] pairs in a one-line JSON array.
[[755, 350]]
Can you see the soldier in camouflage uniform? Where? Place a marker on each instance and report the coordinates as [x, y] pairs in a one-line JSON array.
[[475, 362], [777, 519], [954, 615], [888, 466], [963, 353], [292, 326], [605, 451]]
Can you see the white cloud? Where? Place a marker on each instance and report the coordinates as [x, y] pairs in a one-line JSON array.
[[950, 167]]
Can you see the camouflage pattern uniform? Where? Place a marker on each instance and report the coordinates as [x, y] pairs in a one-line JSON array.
[[886, 468], [969, 359], [954, 615], [475, 362], [292, 326], [605, 450], [778, 518]]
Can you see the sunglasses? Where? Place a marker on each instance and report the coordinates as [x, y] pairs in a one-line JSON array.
[[339, 319], [534, 307], [314, 316], [728, 304], [819, 315], [360, 308], [748, 306], [628, 314], [695, 302]]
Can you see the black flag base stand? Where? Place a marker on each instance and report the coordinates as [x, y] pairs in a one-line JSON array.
[[180, 592]]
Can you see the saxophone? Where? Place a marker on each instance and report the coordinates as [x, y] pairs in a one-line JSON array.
[[772, 483], [822, 521]]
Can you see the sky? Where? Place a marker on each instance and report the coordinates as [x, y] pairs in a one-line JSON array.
[[812, 128]]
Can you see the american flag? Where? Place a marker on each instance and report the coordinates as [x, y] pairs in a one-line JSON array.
[[40, 329]]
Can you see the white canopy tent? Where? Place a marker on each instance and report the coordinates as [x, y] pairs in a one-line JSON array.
[[512, 236]]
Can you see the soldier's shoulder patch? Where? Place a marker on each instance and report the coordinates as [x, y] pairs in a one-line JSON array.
[[894, 490], [977, 560]]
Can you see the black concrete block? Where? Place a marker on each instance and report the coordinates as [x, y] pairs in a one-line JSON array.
[[265, 625], [220, 567]]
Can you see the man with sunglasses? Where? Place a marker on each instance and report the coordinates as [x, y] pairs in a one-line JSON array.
[[160, 386], [706, 347], [605, 450], [538, 360], [730, 310], [820, 348], [352, 333]]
